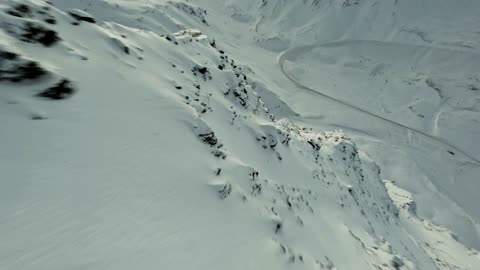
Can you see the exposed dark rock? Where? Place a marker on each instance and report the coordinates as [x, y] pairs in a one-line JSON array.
[[121, 45], [13, 68], [219, 154], [473, 88], [209, 138], [36, 116], [4, 55], [79, 17], [278, 227], [203, 71], [225, 191], [25, 11], [35, 33], [20, 10], [51, 21], [31, 71], [62, 90], [196, 12]]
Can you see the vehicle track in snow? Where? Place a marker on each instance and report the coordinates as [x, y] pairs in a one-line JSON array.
[[305, 48]]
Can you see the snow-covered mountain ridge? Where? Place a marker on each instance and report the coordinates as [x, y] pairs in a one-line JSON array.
[[163, 134]]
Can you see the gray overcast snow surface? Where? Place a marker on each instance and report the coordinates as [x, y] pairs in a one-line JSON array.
[[226, 134]]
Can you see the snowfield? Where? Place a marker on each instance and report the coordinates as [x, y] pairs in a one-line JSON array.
[[224, 134]]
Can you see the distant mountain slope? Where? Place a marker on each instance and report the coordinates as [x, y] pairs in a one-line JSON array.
[[163, 135]]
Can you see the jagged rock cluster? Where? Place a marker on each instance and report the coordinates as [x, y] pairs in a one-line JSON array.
[[29, 23]]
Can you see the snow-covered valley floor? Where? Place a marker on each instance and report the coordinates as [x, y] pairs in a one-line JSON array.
[[224, 134]]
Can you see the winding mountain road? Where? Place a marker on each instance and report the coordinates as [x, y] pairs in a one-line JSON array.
[[296, 50]]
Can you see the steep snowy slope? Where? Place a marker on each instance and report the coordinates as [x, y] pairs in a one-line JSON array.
[[164, 135], [381, 67]]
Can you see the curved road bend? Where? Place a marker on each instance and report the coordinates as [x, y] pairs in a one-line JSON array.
[[284, 56]]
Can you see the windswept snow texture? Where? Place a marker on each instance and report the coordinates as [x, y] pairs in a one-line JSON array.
[[226, 134]]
